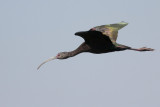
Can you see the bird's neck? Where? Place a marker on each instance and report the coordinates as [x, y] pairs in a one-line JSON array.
[[82, 48]]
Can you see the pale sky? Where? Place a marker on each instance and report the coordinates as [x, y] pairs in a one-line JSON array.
[[33, 30]]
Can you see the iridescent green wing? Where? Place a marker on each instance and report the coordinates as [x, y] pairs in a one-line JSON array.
[[110, 30]]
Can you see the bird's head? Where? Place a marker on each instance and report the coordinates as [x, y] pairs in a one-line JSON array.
[[61, 55]]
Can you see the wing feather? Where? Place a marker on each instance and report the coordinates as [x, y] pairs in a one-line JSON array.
[[103, 36], [96, 39], [110, 30]]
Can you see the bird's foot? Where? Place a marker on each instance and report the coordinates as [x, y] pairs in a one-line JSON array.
[[145, 49]]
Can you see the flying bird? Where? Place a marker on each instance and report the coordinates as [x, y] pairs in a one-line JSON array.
[[97, 40]]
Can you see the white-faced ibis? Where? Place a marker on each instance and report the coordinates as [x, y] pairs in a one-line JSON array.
[[100, 39]]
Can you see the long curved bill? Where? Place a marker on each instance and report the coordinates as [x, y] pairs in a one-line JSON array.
[[50, 59]]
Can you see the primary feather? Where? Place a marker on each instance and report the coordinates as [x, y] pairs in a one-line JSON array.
[[110, 30]]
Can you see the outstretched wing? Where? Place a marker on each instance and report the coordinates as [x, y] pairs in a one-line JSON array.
[[96, 39], [110, 30]]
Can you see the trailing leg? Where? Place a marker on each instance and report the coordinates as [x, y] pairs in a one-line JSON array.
[[142, 49]]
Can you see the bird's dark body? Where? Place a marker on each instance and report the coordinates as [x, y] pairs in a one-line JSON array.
[[86, 47]]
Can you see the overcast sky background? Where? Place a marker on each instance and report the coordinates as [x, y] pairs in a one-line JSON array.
[[31, 31]]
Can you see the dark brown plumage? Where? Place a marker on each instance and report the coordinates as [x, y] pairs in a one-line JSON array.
[[100, 39]]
